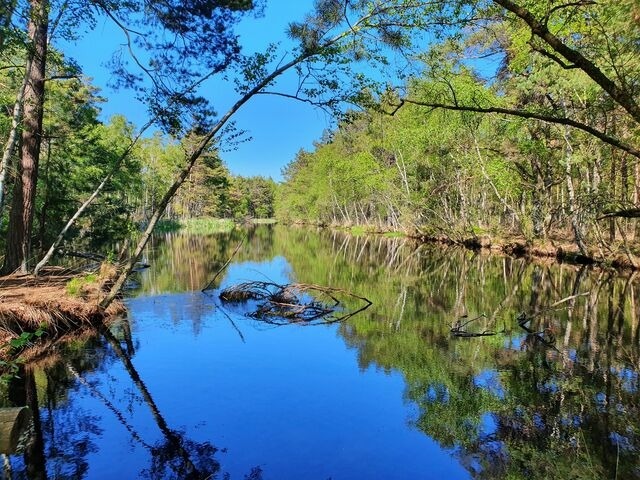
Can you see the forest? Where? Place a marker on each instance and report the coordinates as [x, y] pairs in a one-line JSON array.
[[373, 346], [531, 148], [455, 120]]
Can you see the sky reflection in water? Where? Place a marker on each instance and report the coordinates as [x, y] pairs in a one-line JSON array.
[[197, 388]]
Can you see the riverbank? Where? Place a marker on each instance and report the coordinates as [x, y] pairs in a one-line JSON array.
[[561, 250], [620, 255], [55, 303]]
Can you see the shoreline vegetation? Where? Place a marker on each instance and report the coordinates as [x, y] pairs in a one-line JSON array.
[[622, 256]]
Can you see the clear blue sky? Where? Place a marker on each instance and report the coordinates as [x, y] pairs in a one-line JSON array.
[[278, 127]]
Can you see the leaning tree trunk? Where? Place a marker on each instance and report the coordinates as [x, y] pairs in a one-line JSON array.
[[90, 200], [186, 170], [22, 208], [354, 27]]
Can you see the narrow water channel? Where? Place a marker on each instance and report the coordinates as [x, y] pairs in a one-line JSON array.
[[539, 379]]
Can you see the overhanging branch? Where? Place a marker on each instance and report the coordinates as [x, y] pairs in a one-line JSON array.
[[608, 139], [618, 94]]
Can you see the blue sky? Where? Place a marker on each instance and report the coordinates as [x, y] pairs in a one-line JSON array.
[[278, 127]]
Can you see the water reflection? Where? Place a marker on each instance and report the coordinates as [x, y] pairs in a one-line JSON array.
[[559, 389], [64, 435], [552, 394], [183, 262]]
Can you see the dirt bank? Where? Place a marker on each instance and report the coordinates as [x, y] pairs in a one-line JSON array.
[[558, 249]]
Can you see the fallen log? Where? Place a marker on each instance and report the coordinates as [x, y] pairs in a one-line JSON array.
[[13, 422]]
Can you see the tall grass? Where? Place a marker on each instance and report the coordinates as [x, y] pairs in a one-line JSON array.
[[205, 225], [196, 226]]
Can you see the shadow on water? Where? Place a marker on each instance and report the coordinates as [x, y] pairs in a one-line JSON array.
[[552, 392]]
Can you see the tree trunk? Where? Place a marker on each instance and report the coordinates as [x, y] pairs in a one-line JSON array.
[[34, 456], [612, 182], [10, 146], [46, 198], [21, 217], [537, 202]]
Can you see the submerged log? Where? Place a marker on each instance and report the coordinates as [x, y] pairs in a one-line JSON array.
[[13, 422]]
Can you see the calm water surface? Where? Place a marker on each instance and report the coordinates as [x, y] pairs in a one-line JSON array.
[[187, 387]]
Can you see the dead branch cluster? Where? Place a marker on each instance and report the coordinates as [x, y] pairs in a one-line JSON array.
[[459, 329], [293, 303], [545, 337]]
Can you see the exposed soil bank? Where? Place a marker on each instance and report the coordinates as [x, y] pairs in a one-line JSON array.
[[561, 251], [28, 303]]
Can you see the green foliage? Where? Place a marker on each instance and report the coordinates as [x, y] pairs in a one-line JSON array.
[[26, 338], [75, 286], [10, 368], [437, 168]]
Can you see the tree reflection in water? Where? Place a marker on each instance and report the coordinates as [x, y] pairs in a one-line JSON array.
[[562, 400], [569, 411], [62, 437], [559, 399]]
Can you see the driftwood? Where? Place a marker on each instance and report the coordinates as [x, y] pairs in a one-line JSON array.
[[299, 303], [96, 257], [625, 213], [545, 337]]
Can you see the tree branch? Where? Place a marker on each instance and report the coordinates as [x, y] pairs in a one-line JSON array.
[[579, 3], [539, 29], [608, 139], [553, 57]]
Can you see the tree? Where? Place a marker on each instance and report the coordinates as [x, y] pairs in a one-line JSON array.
[[22, 209], [201, 26], [319, 44]]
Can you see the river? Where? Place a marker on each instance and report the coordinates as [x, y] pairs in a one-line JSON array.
[[539, 378]]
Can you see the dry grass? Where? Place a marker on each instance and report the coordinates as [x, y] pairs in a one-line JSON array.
[[28, 303]]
